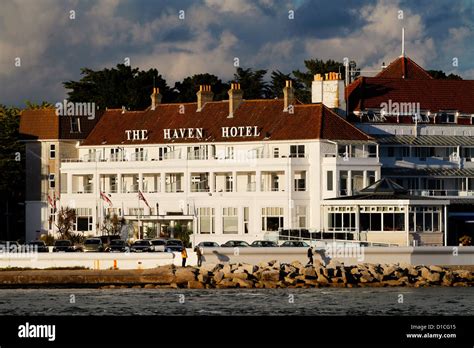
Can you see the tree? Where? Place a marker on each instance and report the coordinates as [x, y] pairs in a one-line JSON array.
[[66, 219], [181, 232], [117, 87], [188, 88], [112, 225], [252, 83], [278, 82], [319, 66], [441, 75]]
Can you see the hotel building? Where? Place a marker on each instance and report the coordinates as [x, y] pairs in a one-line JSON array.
[[247, 169]]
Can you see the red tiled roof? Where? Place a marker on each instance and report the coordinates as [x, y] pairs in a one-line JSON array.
[[45, 124], [404, 67], [432, 94], [39, 124], [312, 121]]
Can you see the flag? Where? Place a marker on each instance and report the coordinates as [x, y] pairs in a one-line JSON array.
[[142, 197], [50, 201], [105, 198], [54, 200]]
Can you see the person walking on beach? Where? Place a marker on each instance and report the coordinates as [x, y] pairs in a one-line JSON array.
[[310, 256], [199, 255], [184, 256]]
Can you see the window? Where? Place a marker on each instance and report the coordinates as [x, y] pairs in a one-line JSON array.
[[372, 150], [63, 183], [357, 179], [116, 154], [301, 216], [230, 221], [447, 117], [297, 151], [329, 180], [52, 151], [300, 181], [272, 218], [140, 154], [390, 151], [229, 183], [370, 177], [343, 183], [84, 220], [75, 125], [52, 181], [206, 220], [162, 152], [246, 220], [229, 152], [276, 152]]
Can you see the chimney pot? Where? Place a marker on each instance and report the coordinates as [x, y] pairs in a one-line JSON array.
[[235, 98], [155, 98], [288, 95], [204, 95]]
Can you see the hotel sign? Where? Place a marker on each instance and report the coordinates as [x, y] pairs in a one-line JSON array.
[[137, 134], [197, 133]]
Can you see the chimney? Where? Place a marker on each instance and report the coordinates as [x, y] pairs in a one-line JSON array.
[[329, 91], [155, 98], [288, 95], [204, 95], [235, 98]]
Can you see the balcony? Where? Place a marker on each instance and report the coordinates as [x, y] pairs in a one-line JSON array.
[[442, 193]]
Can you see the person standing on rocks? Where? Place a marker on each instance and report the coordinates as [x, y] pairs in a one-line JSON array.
[[310, 256], [199, 255], [184, 256]]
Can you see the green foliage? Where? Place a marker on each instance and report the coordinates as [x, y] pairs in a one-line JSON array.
[[319, 66], [48, 239], [117, 87], [278, 82], [252, 83], [441, 75], [188, 88], [11, 151], [66, 219], [181, 232], [112, 225]]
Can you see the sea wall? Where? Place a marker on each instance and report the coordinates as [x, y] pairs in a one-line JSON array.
[[263, 275], [349, 256]]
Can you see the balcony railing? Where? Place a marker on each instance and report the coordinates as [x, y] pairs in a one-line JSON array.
[[130, 188], [84, 189], [442, 193]]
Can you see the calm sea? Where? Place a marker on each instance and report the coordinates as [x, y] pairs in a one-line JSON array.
[[331, 301]]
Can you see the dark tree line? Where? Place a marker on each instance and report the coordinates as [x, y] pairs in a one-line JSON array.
[[131, 87]]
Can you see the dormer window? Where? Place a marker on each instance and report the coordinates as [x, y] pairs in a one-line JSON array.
[[447, 117], [75, 125]]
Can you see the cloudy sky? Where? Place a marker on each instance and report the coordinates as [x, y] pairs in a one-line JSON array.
[[52, 47]]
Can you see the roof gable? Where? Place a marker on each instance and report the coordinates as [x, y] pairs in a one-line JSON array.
[[404, 68]]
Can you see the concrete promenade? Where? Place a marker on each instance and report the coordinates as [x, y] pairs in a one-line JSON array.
[[350, 256]]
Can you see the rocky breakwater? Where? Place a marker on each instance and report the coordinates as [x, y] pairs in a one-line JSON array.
[[335, 274]]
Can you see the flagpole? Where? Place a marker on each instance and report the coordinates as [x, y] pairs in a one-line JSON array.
[[138, 214]]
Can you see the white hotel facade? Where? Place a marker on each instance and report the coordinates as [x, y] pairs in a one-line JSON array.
[[241, 170]]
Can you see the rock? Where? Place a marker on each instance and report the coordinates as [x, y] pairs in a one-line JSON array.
[[420, 283], [427, 275], [311, 282], [463, 274], [159, 275], [194, 284], [365, 277], [297, 264], [173, 285], [434, 268], [333, 264], [149, 286], [460, 284], [209, 267], [248, 268], [243, 283], [269, 284], [238, 275], [322, 280], [394, 282], [309, 271], [387, 271], [270, 276], [448, 279], [203, 278], [218, 276], [184, 275], [289, 280], [136, 287], [227, 268], [226, 283]]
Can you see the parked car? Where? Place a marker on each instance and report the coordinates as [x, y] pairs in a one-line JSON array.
[[295, 244], [208, 245], [106, 240], [93, 245], [118, 246], [174, 245], [37, 245], [140, 246], [235, 244], [63, 245], [264, 244], [158, 244]]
